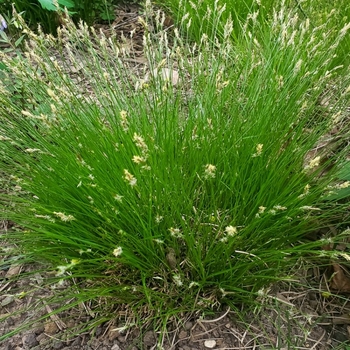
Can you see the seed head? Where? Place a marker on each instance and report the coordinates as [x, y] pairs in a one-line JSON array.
[[209, 171], [64, 217], [117, 251], [231, 230], [129, 178]]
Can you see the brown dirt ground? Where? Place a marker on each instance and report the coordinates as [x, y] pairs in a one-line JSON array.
[[291, 318]]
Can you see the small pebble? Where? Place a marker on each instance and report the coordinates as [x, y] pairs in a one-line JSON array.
[[51, 328], [113, 334], [188, 325], [76, 342], [99, 331], [149, 339], [57, 345], [183, 335], [41, 338], [210, 344], [10, 321], [122, 339], [38, 329], [30, 340]]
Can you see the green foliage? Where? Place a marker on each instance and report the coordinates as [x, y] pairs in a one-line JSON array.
[[14, 39], [45, 12], [342, 189], [50, 6], [210, 17], [34, 14], [5, 7], [13, 45], [337, 13], [90, 11], [183, 189]]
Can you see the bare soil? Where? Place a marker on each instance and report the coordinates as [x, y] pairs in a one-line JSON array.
[[290, 318]]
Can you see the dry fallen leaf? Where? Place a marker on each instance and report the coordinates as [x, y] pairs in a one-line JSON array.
[[51, 328], [8, 300], [171, 258], [166, 74], [340, 281], [13, 270]]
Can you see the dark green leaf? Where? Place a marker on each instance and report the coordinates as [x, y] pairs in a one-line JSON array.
[[66, 3], [49, 5], [19, 40], [341, 194], [344, 173]]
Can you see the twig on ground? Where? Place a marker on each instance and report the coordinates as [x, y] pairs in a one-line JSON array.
[[215, 319], [59, 323]]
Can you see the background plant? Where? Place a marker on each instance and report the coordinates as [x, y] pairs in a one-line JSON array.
[[335, 12], [342, 191], [45, 12], [90, 11], [210, 16], [34, 14], [170, 195]]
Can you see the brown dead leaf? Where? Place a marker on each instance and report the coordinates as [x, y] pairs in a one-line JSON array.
[[51, 328], [168, 22], [168, 74], [13, 270], [340, 281], [7, 300]]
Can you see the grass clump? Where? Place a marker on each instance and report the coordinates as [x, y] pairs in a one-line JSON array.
[[178, 189], [337, 14], [209, 17]]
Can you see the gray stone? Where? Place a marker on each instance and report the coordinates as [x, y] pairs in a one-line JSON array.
[[99, 331], [38, 329], [10, 321], [122, 339], [183, 334], [8, 347], [76, 341], [29, 340], [210, 343], [41, 337], [149, 339], [188, 325], [57, 345]]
